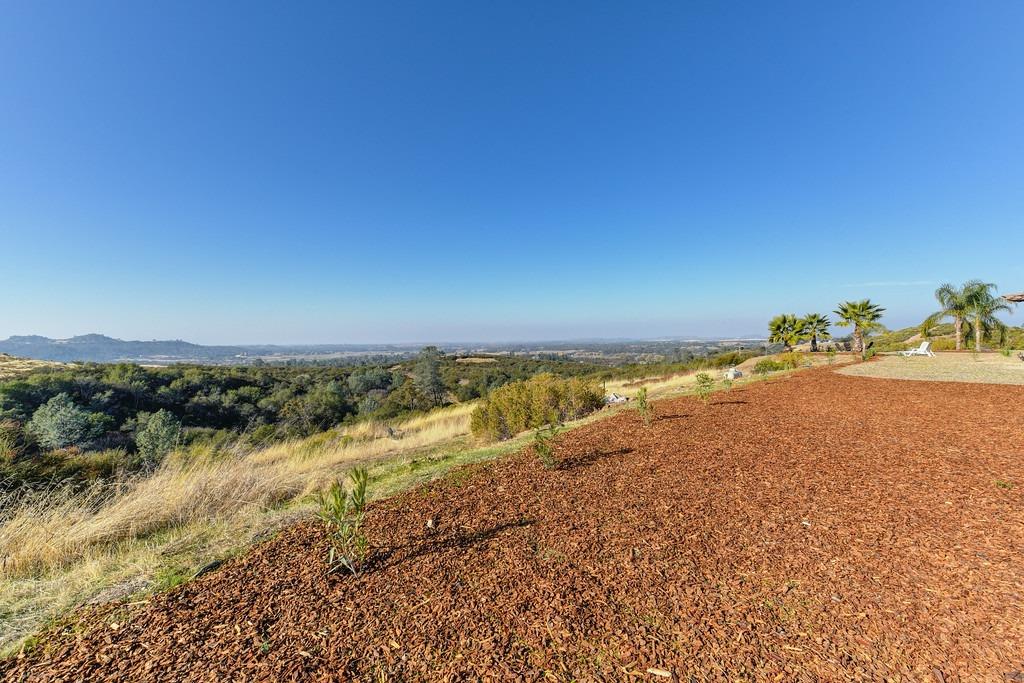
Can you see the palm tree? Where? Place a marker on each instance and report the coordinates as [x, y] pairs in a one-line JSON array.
[[955, 302], [982, 306], [786, 329], [863, 316], [816, 327]]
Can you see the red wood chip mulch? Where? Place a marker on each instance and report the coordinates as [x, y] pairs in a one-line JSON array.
[[815, 527]]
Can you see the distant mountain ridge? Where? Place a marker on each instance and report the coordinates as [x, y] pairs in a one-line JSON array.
[[101, 348]]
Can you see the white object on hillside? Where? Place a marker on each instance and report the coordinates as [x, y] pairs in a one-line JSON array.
[[614, 398], [925, 349], [732, 373]]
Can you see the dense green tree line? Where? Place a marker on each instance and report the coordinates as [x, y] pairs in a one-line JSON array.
[[53, 414]]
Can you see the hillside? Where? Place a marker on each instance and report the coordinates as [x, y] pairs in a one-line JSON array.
[[100, 348], [11, 366], [728, 541]]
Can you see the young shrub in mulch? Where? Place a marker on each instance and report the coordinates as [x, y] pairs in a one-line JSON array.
[[544, 445], [343, 510], [705, 385], [533, 403], [644, 407]]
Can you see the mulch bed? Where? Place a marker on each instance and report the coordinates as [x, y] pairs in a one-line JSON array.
[[814, 527]]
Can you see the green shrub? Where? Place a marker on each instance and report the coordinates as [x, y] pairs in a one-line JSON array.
[[942, 344], [160, 435], [533, 403], [643, 406], [784, 361], [343, 511], [766, 365], [60, 423], [792, 360], [704, 386], [544, 444]]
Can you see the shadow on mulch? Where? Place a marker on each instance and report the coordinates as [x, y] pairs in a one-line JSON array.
[[431, 543], [590, 457]]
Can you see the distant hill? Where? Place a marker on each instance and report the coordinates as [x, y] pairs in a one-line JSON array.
[[100, 348]]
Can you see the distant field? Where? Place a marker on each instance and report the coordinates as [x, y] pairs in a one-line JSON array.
[[988, 368], [12, 367]]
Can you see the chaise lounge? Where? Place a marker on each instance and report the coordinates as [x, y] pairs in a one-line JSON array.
[[925, 349]]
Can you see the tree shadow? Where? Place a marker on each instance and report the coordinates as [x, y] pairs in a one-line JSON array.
[[728, 403], [659, 418], [589, 458]]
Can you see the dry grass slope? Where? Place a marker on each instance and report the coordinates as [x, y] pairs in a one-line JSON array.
[[59, 548], [11, 367]]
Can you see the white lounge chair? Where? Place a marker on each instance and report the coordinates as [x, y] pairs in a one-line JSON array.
[[925, 349]]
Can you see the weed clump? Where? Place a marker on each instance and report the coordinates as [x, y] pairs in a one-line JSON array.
[[343, 510]]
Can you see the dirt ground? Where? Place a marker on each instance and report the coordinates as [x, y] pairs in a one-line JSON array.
[[812, 527]]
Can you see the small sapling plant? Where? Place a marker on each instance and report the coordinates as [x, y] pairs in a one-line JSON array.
[[544, 444], [342, 510], [644, 407], [705, 385]]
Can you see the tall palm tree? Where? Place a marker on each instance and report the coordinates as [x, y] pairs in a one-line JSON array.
[[955, 302], [982, 306], [786, 329], [863, 316], [816, 327]]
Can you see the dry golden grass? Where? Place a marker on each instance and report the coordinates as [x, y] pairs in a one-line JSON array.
[[47, 530], [12, 367], [59, 548]]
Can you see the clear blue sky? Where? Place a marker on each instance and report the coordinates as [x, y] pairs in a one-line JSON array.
[[344, 172]]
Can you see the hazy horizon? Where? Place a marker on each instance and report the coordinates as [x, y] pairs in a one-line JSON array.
[[532, 171], [405, 343]]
